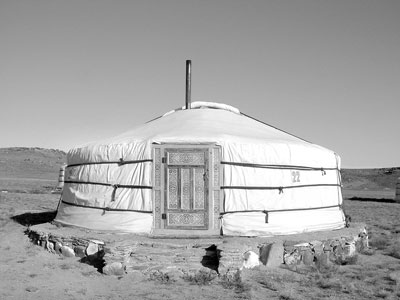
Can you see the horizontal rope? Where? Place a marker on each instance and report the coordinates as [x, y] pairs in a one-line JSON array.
[[119, 162], [111, 185], [283, 167], [280, 188], [107, 208], [280, 210]]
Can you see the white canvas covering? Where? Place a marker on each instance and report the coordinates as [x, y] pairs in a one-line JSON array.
[[260, 166]]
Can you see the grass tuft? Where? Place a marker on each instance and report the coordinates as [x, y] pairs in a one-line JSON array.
[[367, 251], [394, 250], [160, 277], [202, 277], [326, 268], [329, 283], [234, 281], [379, 242], [348, 260]]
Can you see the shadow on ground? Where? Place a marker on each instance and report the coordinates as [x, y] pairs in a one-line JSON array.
[[382, 200], [29, 219]]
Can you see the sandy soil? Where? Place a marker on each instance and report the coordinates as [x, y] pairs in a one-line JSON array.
[[29, 272]]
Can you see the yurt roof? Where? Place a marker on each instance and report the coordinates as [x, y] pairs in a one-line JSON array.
[[207, 122]]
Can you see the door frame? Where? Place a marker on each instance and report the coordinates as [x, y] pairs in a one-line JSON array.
[[215, 199]]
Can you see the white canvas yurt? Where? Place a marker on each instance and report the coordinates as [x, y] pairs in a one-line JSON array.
[[203, 171]]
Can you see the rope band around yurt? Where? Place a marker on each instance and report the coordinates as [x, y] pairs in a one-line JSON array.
[[120, 162], [115, 186], [266, 212], [106, 208], [279, 167], [280, 188]]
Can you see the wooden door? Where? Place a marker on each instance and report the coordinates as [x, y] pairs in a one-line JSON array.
[[186, 188]]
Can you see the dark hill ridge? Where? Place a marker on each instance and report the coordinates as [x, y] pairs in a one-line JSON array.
[[371, 179], [30, 170], [38, 163]]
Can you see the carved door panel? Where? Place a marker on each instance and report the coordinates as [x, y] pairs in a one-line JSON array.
[[186, 188]]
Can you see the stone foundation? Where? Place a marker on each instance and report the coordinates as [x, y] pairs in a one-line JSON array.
[[338, 250], [121, 254], [91, 251]]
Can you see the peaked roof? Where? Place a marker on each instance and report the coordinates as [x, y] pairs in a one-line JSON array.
[[240, 135], [205, 122]]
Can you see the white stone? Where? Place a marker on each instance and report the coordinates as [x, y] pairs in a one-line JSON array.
[[57, 247], [50, 247], [302, 245], [115, 268], [250, 260], [350, 249], [92, 249], [67, 251]]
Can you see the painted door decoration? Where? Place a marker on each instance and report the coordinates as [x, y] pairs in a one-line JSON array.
[[187, 187]]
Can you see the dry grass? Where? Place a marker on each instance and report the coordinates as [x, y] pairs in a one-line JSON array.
[[201, 277], [234, 281], [379, 242], [350, 260], [394, 250]]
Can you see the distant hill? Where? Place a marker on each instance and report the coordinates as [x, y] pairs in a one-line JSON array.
[[31, 170], [371, 179], [20, 162]]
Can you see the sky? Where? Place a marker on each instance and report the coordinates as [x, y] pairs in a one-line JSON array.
[[72, 72]]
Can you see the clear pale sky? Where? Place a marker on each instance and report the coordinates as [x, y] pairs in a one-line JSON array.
[[328, 71]]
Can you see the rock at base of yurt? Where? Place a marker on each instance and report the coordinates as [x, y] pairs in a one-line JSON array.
[[308, 257], [79, 251], [250, 260], [322, 259], [43, 243], [231, 258], [57, 247], [50, 247], [115, 268], [92, 249], [350, 249], [67, 251], [292, 258], [271, 255]]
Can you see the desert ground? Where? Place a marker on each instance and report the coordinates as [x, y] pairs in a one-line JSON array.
[[28, 177]]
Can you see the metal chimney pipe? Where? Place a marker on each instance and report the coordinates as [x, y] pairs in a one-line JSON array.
[[188, 83]]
